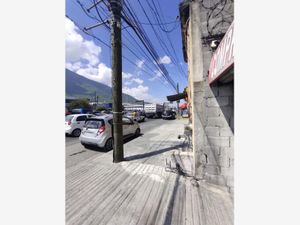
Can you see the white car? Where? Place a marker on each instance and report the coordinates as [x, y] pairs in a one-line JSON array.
[[136, 116], [97, 131], [74, 123]]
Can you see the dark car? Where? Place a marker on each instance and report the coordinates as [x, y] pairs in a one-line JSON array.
[[169, 115]]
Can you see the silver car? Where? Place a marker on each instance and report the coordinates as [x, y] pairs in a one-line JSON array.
[[97, 131]]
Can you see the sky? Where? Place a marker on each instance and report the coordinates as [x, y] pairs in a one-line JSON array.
[[141, 79]]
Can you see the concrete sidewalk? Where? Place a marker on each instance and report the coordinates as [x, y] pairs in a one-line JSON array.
[[140, 190]]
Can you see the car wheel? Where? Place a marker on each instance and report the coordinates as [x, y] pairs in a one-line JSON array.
[[109, 144], [76, 132], [137, 132]]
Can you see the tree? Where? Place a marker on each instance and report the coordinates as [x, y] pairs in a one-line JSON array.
[[80, 103], [100, 108]]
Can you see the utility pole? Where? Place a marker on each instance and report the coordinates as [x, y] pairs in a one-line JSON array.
[[116, 44], [177, 89]]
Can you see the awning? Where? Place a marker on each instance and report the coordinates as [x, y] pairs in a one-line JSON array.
[[183, 106], [177, 97], [222, 61]]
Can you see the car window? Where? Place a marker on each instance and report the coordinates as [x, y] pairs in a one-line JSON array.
[[69, 118], [81, 118], [110, 122], [93, 124], [126, 120]]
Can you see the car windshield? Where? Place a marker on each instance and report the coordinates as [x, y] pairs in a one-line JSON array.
[[69, 118], [93, 124]]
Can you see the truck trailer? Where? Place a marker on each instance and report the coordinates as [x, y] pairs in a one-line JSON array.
[[153, 110]]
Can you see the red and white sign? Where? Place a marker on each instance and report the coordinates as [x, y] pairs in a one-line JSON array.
[[222, 59]]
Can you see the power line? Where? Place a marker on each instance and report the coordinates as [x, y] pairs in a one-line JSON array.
[[163, 44], [108, 46], [108, 28], [145, 40]]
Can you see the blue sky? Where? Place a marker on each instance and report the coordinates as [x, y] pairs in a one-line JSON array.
[[92, 59]]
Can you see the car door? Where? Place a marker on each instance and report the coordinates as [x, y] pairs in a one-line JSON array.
[[126, 126], [131, 127]]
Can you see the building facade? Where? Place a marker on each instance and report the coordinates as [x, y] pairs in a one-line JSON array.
[[206, 47]]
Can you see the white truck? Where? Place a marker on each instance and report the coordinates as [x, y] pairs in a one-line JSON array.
[[153, 110]]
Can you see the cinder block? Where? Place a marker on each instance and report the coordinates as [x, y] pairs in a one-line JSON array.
[[212, 111], [212, 155], [226, 132], [224, 171], [231, 100], [227, 112], [226, 151], [217, 122], [232, 123], [215, 179], [212, 131], [219, 141], [231, 141], [219, 101], [231, 162], [209, 93], [212, 169], [226, 90], [223, 161], [230, 181]]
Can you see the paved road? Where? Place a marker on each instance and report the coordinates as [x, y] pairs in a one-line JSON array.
[[76, 153]]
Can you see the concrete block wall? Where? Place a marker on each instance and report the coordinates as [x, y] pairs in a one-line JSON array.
[[214, 109], [219, 132]]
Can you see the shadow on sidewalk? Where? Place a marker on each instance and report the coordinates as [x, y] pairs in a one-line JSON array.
[[153, 153]]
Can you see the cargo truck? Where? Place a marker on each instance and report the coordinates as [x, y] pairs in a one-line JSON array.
[[153, 110]]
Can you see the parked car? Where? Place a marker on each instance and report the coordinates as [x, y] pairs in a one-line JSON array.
[[169, 114], [136, 116], [97, 131], [74, 123], [97, 113], [106, 112]]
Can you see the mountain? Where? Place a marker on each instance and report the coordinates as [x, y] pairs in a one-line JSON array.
[[79, 86]]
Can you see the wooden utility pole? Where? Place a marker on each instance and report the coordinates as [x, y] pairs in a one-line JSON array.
[[116, 44], [177, 89]]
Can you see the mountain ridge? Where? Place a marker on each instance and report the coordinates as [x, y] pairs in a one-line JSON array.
[[78, 86]]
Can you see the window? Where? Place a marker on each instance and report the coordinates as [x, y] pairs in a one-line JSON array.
[[69, 118], [81, 118], [94, 124], [126, 121]]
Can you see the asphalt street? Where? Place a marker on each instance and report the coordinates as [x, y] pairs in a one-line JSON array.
[[76, 153]]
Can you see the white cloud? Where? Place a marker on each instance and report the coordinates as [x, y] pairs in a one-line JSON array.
[[164, 60], [133, 80], [156, 76], [140, 63], [77, 48], [74, 66], [101, 74], [126, 75], [138, 80], [82, 57], [142, 93]]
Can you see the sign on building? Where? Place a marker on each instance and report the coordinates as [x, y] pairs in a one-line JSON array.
[[223, 57]]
